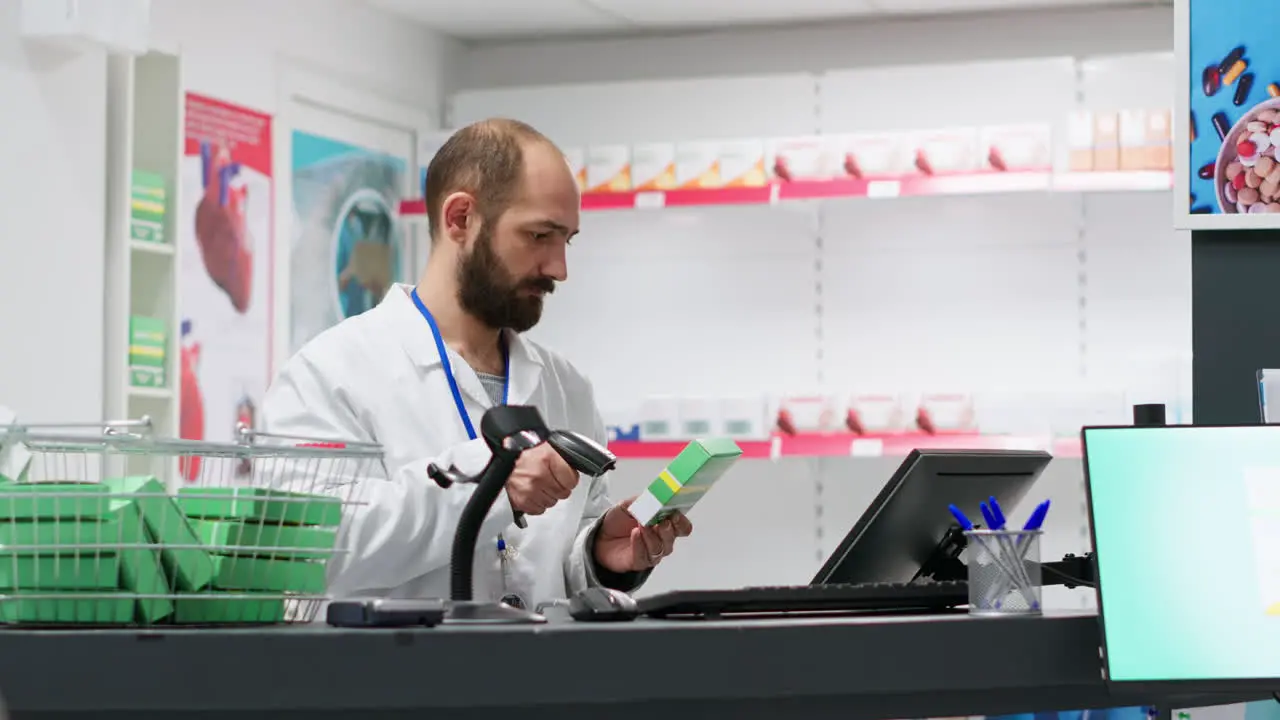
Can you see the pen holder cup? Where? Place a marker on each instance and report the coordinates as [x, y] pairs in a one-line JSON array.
[[1004, 572]]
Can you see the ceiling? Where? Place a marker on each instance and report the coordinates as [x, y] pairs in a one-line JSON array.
[[510, 19]]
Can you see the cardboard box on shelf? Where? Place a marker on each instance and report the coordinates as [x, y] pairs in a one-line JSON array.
[[577, 159], [659, 418], [608, 168], [744, 418], [699, 416], [1134, 153], [867, 156], [147, 343], [803, 158], [948, 151], [945, 412], [1080, 141], [1106, 141], [653, 166], [1017, 147], [698, 165], [870, 413], [147, 206], [806, 414], [1159, 139], [741, 163]]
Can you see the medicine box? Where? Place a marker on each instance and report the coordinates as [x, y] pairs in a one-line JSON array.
[[141, 571], [147, 207], [54, 501], [237, 537], [1080, 144], [741, 163], [1106, 141], [697, 165], [653, 166], [186, 564], [1159, 140], [942, 152], [1134, 151], [870, 156], [69, 608], [577, 159], [147, 340], [94, 570], [1012, 148], [608, 168], [799, 159], [685, 480], [260, 505], [234, 572]]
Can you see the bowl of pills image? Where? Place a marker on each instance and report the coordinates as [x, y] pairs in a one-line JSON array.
[[1247, 172]]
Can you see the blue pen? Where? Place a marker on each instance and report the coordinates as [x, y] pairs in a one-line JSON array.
[[997, 513], [989, 516], [960, 518]]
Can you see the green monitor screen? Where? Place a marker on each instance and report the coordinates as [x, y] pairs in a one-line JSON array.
[[1186, 532]]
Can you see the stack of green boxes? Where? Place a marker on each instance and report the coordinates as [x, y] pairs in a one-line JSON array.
[[147, 207], [261, 541], [125, 552]]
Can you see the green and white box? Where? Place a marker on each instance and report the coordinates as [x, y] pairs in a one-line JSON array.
[[147, 207], [685, 479], [147, 340]]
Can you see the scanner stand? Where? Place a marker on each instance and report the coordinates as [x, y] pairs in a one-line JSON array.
[[508, 430], [944, 564]]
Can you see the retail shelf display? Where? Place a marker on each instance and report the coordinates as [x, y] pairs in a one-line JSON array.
[[141, 313], [838, 445]]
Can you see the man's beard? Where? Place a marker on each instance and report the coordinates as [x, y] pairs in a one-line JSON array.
[[488, 292]]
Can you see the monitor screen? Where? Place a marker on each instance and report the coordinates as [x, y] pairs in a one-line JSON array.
[[1229, 99], [1186, 533]]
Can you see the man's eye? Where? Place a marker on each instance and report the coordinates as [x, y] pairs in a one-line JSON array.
[[539, 236]]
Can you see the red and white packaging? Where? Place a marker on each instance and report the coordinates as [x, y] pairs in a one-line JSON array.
[[874, 413], [802, 158], [946, 152], [874, 156], [1017, 147], [808, 414], [945, 413]]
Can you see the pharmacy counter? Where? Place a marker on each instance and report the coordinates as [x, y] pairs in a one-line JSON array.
[[851, 668]]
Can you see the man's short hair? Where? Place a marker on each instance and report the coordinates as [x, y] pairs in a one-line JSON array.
[[485, 159]]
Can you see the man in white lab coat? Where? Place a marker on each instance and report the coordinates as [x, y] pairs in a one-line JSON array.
[[417, 372]]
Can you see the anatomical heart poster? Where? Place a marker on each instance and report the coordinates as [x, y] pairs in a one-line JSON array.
[[347, 244], [226, 268]]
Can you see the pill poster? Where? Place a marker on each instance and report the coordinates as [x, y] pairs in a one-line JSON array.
[[1234, 129], [347, 243], [226, 236]]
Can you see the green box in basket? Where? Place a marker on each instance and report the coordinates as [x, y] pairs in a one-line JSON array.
[[98, 571], [260, 505], [237, 537], [147, 207], [54, 501], [684, 480], [67, 608], [141, 571], [228, 608], [147, 339], [265, 575], [185, 561]]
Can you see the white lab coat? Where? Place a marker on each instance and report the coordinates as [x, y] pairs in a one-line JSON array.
[[378, 377]]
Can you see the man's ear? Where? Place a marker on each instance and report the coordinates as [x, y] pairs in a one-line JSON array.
[[458, 213]]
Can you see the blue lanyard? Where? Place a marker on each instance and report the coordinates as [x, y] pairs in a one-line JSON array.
[[448, 367]]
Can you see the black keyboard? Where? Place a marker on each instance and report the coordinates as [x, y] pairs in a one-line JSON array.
[[866, 597]]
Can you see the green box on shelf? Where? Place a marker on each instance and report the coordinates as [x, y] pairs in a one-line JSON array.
[[188, 566], [260, 505], [238, 537], [265, 575], [147, 205], [67, 608], [54, 501], [214, 608], [684, 481], [147, 349]]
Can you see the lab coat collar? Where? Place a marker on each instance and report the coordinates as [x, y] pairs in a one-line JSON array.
[[415, 337]]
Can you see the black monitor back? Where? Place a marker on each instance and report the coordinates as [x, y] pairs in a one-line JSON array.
[[909, 518]]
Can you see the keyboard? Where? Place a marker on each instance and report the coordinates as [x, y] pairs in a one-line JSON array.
[[863, 597]]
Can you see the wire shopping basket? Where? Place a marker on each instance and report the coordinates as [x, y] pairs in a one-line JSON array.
[[106, 524]]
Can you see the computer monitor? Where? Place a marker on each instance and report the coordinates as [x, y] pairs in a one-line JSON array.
[[903, 526], [1186, 538]]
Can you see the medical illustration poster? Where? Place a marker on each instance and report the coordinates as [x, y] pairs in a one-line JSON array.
[[1234, 126], [347, 243], [226, 268]]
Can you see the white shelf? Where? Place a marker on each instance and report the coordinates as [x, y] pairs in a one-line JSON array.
[[151, 248], [151, 393], [144, 132]]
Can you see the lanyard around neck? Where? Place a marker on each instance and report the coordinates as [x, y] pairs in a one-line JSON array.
[[448, 367]]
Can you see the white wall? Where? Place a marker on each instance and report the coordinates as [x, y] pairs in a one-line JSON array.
[[830, 46], [53, 146], [52, 195]]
